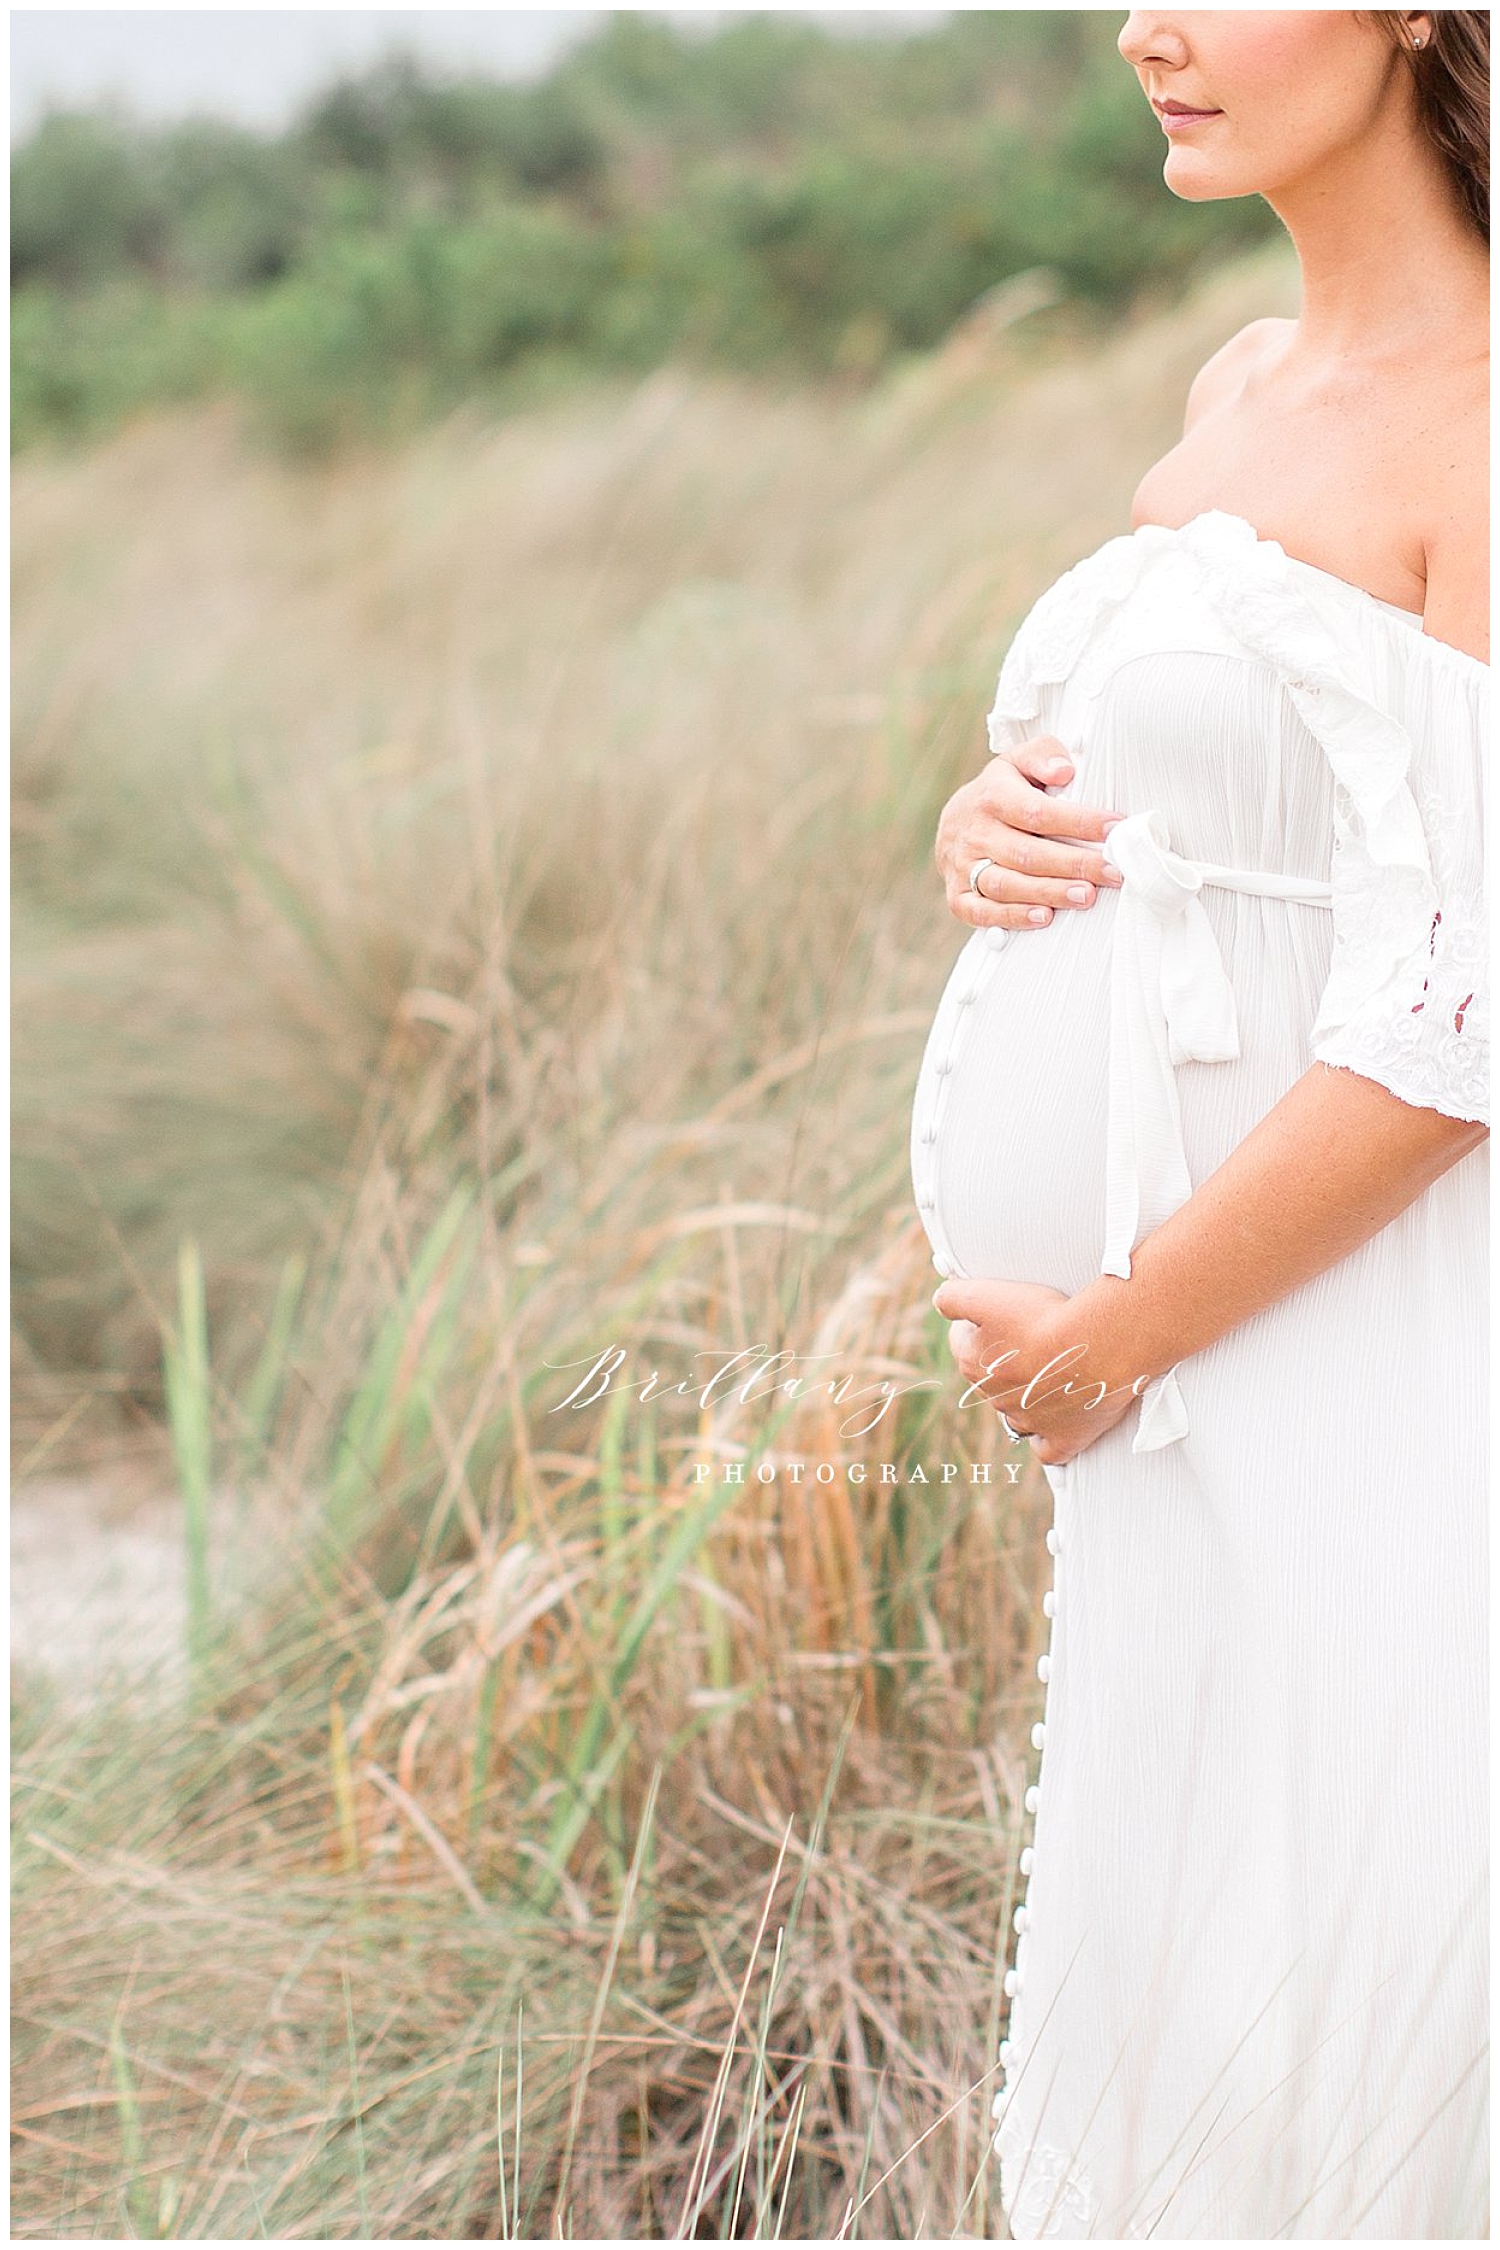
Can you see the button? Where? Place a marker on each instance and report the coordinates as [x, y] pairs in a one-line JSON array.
[[944, 1065], [968, 996], [1053, 1542], [1044, 1669], [996, 939], [1032, 1798], [1038, 1735], [927, 1201], [1027, 1858], [1020, 1920], [929, 1134], [1012, 1984], [941, 1266], [1006, 2051], [1049, 1605]]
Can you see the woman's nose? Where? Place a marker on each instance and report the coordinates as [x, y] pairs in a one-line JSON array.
[[1149, 36]]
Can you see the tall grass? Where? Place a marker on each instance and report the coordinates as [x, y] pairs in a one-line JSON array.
[[481, 900]]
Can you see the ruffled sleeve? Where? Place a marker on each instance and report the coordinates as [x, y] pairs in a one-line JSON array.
[[1406, 1000], [1057, 630]]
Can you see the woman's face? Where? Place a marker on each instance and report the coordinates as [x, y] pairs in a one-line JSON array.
[[1275, 94]]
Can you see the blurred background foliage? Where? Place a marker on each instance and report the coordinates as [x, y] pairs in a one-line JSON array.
[[766, 199], [473, 906]]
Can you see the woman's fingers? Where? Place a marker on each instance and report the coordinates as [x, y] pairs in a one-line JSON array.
[[1043, 763], [1042, 759], [966, 1344], [1007, 899], [1013, 789], [1027, 880], [983, 914], [1036, 843]]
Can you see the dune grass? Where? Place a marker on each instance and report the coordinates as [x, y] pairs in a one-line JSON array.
[[474, 910]]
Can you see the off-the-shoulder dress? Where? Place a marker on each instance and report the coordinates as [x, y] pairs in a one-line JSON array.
[[1248, 1995]]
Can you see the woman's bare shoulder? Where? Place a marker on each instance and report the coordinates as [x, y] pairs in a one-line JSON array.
[[1223, 373], [1186, 467]]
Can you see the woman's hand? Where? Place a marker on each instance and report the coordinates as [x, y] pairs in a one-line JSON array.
[[1016, 1345], [1005, 815]]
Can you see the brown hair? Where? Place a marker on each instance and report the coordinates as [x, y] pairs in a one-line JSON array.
[[1451, 70]]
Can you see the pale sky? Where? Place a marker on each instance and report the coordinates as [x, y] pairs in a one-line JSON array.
[[253, 64], [258, 65]]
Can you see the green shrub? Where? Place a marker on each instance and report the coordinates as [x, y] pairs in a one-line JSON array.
[[376, 330], [82, 364], [767, 197], [85, 204], [242, 206]]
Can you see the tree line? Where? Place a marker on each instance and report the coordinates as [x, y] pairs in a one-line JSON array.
[[770, 198]]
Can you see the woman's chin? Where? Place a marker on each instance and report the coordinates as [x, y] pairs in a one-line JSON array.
[[1193, 179]]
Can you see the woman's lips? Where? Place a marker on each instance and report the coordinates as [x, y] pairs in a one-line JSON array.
[[1176, 119]]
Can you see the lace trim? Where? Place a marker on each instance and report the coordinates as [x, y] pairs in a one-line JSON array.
[[1042, 2189], [1424, 1032], [1046, 2192], [1404, 1001]]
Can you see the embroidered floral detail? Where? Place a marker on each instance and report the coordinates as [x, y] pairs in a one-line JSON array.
[[1433, 1050], [1043, 2191]]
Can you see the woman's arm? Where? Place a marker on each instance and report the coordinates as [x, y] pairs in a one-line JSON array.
[[1336, 1160]]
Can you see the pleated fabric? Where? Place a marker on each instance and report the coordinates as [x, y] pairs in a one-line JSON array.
[[1248, 1998]]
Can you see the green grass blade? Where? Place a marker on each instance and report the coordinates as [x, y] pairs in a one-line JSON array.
[[190, 1420]]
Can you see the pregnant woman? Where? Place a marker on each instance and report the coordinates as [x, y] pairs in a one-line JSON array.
[[1198, 1144]]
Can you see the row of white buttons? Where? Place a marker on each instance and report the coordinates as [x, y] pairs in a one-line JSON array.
[[964, 998], [1021, 1919], [927, 1203]]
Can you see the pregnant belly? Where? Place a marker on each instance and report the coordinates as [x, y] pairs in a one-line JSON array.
[[1009, 1120]]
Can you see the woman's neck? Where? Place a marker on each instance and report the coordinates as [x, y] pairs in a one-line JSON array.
[[1390, 264]]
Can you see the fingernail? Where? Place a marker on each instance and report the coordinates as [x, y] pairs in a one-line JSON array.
[[1113, 877], [1079, 893], [1039, 914], [1058, 765], [1112, 820]]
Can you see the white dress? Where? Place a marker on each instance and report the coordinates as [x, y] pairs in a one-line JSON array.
[[1248, 1997]]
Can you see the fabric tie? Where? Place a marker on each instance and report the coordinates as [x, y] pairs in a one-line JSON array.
[[1170, 1002]]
